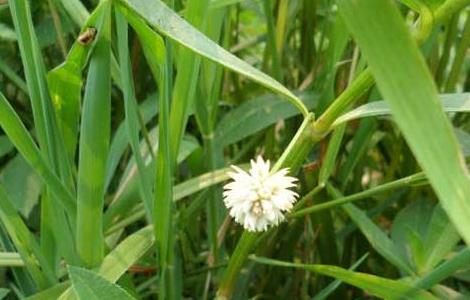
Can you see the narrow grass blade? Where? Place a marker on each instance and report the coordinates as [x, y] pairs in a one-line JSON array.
[[446, 269], [187, 78], [376, 237], [131, 110], [25, 243], [19, 136], [94, 143], [120, 140], [394, 58], [375, 285], [76, 10], [11, 259], [121, 207], [330, 288], [11, 74], [450, 103], [49, 137], [169, 23]]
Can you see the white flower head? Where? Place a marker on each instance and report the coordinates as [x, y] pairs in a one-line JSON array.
[[258, 198]]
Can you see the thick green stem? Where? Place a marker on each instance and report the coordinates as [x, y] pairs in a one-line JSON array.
[[239, 256], [358, 87]]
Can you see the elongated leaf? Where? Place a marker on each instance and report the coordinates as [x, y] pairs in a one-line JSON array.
[[377, 286], [76, 10], [50, 293], [49, 137], [394, 58], [379, 240], [450, 103], [132, 112], [172, 25], [19, 136], [94, 142], [120, 140], [127, 196], [187, 77], [255, 115], [25, 243], [90, 286], [330, 288], [65, 83], [11, 259]]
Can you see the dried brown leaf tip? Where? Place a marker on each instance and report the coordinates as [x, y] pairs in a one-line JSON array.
[[87, 36]]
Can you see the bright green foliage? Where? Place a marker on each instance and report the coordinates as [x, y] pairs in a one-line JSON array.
[[120, 121]]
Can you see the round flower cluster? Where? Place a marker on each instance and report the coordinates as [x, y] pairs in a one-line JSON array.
[[258, 198]]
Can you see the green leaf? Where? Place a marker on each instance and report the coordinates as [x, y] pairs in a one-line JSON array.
[[410, 228], [90, 286], [116, 263], [376, 237], [5, 145], [377, 286], [51, 293], [330, 288], [95, 130], [394, 58], [132, 112], [11, 74], [187, 77], [120, 140], [22, 184], [464, 139], [65, 84], [172, 25], [450, 103], [76, 10], [11, 259], [254, 115], [441, 238], [25, 243], [19, 136], [457, 262], [3, 293]]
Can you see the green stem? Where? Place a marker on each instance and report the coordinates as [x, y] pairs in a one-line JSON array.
[[448, 8], [239, 256], [403, 182], [357, 88]]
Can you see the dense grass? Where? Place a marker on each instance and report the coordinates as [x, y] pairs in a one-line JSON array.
[[120, 120]]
